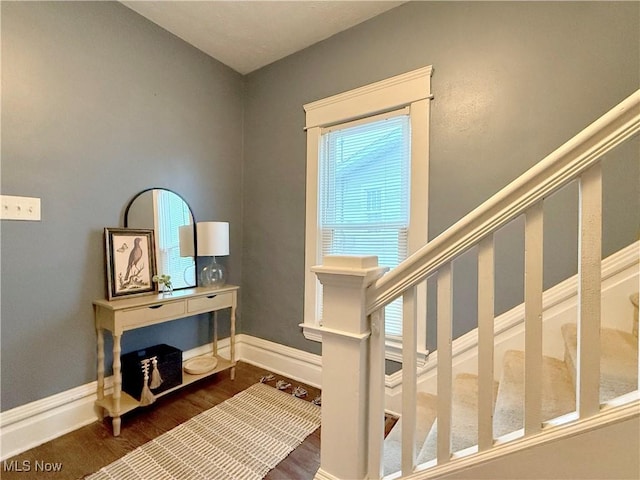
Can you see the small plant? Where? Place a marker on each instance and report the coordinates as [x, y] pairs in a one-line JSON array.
[[163, 280]]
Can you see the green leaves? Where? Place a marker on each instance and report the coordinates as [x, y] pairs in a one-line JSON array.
[[162, 279]]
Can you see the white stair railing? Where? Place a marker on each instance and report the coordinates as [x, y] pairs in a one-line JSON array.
[[579, 159]]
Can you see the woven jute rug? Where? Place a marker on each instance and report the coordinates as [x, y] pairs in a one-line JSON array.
[[241, 438]]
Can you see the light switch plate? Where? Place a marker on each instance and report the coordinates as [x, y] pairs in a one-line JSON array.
[[19, 208]]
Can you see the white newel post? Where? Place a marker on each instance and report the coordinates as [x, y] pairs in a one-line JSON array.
[[345, 369]]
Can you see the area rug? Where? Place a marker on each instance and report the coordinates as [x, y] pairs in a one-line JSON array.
[[241, 438]]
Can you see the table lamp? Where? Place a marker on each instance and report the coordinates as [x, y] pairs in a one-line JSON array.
[[212, 241]]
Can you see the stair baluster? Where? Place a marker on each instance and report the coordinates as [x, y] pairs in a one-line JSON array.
[[533, 319], [486, 314], [444, 363], [376, 395], [589, 281], [409, 380]]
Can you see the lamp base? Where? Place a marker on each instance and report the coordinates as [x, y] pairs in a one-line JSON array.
[[213, 275]]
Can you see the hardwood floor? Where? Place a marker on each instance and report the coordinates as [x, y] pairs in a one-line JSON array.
[[90, 448]]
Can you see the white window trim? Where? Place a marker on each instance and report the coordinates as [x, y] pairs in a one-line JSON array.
[[413, 90]]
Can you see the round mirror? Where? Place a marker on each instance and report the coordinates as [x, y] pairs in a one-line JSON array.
[[165, 212]]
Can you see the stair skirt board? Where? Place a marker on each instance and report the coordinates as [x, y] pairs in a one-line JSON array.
[[603, 446]]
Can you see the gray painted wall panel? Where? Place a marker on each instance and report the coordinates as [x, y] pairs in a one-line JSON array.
[[97, 104]]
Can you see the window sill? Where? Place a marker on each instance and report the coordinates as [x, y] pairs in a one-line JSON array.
[[393, 350]]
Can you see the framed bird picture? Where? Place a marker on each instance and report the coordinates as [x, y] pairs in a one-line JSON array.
[[131, 262]]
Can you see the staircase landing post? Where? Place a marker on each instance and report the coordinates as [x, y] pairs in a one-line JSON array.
[[345, 369]]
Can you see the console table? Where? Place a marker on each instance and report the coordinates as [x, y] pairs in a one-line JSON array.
[[121, 315]]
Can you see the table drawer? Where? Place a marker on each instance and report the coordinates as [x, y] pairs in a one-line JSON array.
[[152, 314], [210, 302]]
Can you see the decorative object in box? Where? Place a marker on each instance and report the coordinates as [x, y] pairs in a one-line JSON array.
[[165, 286], [131, 262], [151, 371]]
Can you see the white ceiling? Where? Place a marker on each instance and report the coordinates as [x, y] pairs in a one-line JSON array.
[[246, 35]]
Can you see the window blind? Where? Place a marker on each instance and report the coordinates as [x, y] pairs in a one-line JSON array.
[[173, 213], [364, 171]]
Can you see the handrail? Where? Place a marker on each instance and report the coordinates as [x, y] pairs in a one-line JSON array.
[[556, 170]]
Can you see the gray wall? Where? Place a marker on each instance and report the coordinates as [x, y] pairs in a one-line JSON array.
[[512, 82], [97, 104]]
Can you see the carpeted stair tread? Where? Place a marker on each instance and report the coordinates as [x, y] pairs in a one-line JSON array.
[[618, 360], [425, 415], [558, 393], [464, 418]]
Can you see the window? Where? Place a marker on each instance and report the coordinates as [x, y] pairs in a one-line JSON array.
[[364, 194], [367, 185]]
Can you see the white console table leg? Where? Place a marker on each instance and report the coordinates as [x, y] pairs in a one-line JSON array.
[[100, 343], [214, 316], [232, 342], [117, 385]]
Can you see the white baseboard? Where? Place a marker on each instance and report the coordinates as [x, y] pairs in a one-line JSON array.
[[323, 475], [30, 425], [274, 357], [35, 423]]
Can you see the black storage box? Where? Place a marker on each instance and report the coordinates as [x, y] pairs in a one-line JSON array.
[[169, 366]]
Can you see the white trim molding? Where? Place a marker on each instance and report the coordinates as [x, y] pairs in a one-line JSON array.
[[35, 423], [377, 97], [280, 359], [412, 90], [471, 458], [322, 475]]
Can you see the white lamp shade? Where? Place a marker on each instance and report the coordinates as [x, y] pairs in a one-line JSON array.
[[186, 241], [213, 238]]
